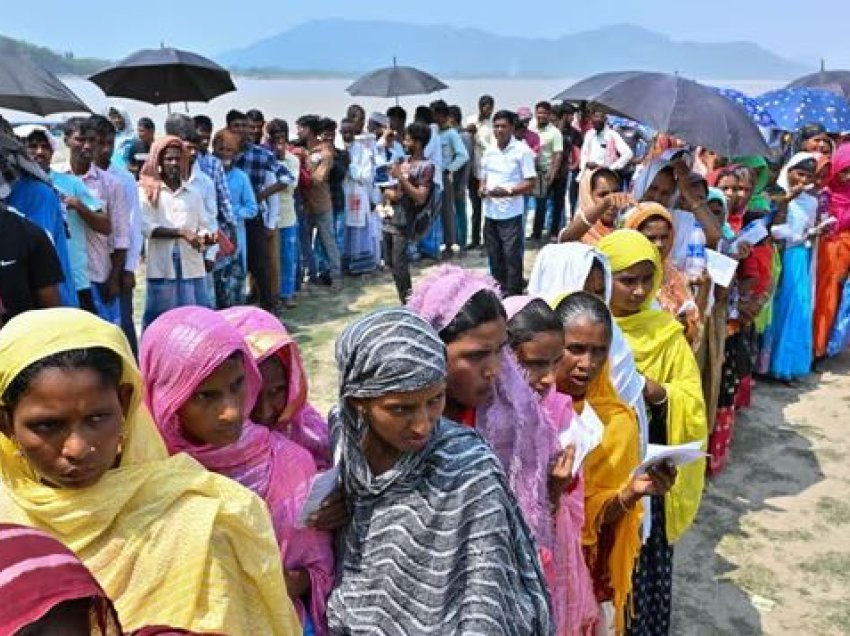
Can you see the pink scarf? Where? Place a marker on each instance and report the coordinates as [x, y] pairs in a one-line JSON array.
[[300, 422], [565, 568], [514, 425], [179, 351], [838, 192]]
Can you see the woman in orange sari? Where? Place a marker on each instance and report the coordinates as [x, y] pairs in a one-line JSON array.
[[833, 249]]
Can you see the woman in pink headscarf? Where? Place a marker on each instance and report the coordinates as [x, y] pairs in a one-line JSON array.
[[536, 336], [282, 404], [487, 390], [201, 383]]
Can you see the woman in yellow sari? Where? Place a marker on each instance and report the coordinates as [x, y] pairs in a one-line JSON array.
[[171, 543], [677, 412], [611, 537]]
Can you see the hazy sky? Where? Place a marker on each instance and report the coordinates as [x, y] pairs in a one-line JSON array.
[[800, 31]]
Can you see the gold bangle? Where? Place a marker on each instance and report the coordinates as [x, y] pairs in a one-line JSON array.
[[662, 401]]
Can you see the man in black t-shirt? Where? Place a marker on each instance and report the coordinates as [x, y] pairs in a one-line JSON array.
[[30, 272]]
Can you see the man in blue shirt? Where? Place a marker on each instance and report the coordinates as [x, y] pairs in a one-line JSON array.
[[39, 203], [258, 162], [455, 157]]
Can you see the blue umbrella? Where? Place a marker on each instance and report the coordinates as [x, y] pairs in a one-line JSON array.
[[793, 108], [754, 109]]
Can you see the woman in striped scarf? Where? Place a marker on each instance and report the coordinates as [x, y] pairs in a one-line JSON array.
[[435, 543]]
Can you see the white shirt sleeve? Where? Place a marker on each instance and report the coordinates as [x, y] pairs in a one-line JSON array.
[[623, 149], [527, 166]]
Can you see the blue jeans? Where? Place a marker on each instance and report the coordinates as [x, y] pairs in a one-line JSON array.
[[323, 224], [289, 255]]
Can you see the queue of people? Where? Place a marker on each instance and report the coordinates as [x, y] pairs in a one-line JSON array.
[[483, 469]]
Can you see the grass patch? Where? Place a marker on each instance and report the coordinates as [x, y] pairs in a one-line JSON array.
[[834, 512], [831, 567], [757, 579]]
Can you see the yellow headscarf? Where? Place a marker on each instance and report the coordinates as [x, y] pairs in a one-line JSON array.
[[607, 470], [171, 543], [663, 355]]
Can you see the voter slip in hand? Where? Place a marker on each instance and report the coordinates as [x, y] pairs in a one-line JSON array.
[[321, 488], [677, 455], [585, 433]]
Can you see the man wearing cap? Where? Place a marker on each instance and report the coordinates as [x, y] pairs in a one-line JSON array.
[[82, 209]]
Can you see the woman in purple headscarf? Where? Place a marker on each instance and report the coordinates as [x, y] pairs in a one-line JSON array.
[[201, 383], [487, 390]]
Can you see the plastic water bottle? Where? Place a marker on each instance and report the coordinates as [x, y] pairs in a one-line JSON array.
[[695, 262]]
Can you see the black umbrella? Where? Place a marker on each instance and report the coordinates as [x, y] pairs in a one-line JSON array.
[[675, 106], [26, 86], [395, 81], [164, 75], [835, 81]]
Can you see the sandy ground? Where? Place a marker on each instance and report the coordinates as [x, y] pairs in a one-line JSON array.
[[770, 550]]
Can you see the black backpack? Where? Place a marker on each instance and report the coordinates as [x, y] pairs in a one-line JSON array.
[[418, 226]]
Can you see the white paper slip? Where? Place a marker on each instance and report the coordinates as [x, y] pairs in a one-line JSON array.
[[753, 234], [585, 433], [677, 455], [321, 487], [721, 268]]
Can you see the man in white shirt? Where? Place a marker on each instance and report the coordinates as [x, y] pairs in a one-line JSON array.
[[507, 175], [603, 147]]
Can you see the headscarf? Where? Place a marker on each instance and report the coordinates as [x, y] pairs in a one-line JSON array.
[[758, 164], [674, 296], [37, 573], [716, 194], [436, 543], [179, 350], [578, 606], [802, 210], [150, 179], [129, 125], [266, 337], [662, 354], [165, 538], [564, 268], [586, 202], [510, 419], [838, 191], [643, 179]]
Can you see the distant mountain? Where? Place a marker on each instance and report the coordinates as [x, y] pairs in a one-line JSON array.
[[59, 63], [352, 47]]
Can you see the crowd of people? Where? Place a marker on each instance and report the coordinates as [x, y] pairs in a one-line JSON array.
[[483, 470]]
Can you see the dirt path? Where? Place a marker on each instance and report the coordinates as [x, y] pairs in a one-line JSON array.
[[770, 551]]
